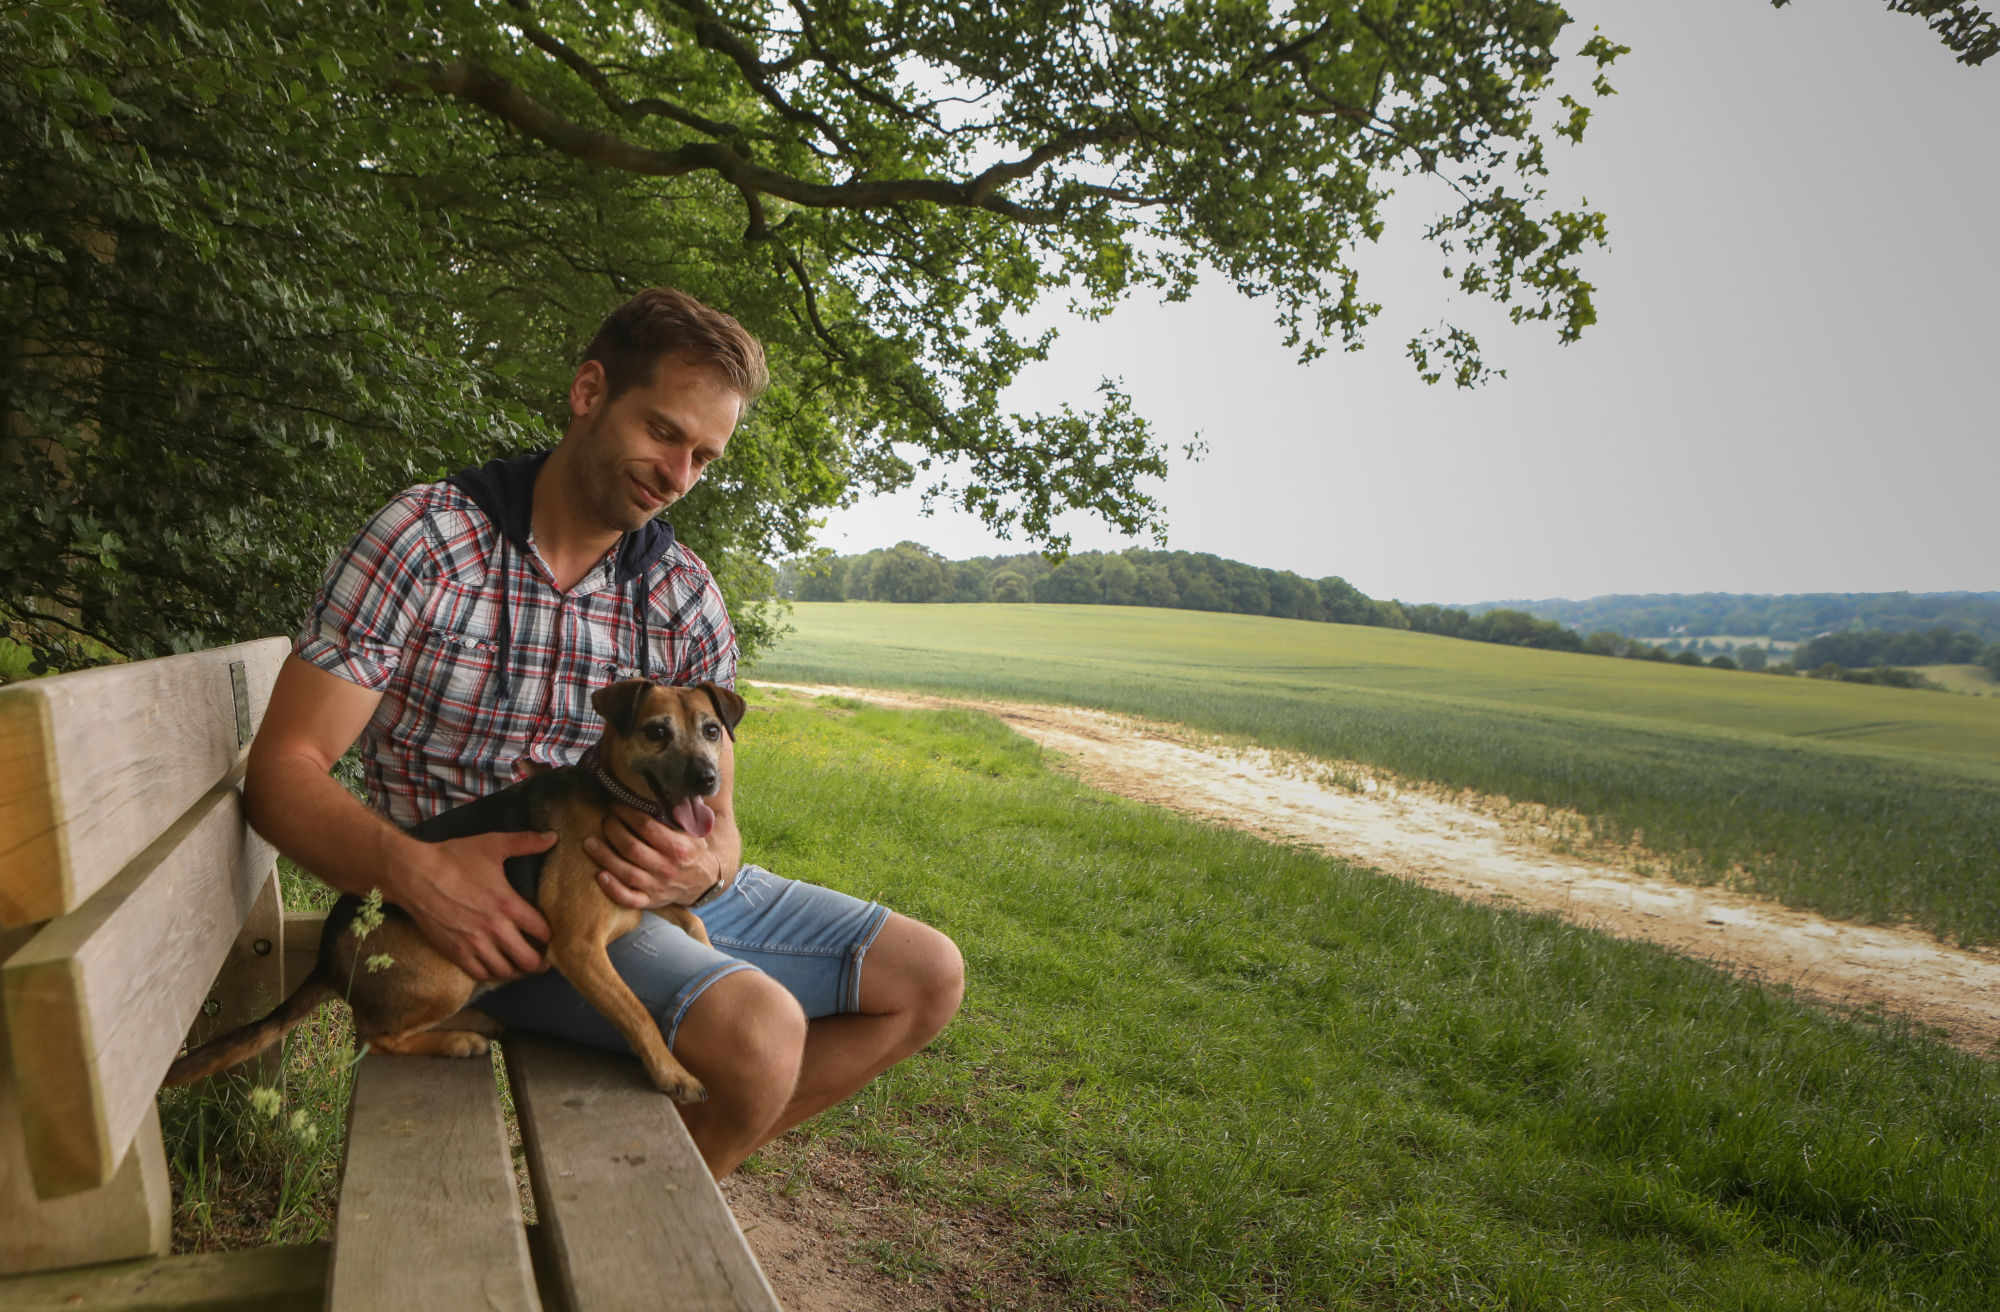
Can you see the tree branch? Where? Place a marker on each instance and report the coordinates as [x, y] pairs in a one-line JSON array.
[[712, 33], [629, 110], [479, 85]]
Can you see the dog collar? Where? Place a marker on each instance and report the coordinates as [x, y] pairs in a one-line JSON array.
[[619, 792]]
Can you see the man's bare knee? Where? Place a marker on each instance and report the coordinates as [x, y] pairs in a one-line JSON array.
[[916, 972], [744, 1037], [938, 984]]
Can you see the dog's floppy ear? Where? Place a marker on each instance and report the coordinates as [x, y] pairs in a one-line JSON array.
[[727, 705], [619, 703]]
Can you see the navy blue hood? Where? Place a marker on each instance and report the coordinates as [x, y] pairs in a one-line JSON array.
[[504, 490]]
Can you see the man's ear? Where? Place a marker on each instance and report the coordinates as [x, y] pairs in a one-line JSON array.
[[587, 389], [727, 705], [619, 703]]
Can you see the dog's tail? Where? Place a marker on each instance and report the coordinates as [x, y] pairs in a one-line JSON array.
[[224, 1051]]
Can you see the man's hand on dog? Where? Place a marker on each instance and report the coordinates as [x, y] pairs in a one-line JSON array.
[[644, 863], [466, 908]]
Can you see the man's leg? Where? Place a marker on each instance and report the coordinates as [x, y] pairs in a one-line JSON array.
[[767, 1068], [744, 1038]]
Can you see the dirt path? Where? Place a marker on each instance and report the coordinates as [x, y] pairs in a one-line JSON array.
[[1490, 851]]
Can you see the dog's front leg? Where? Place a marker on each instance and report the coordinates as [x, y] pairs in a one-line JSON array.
[[585, 964]]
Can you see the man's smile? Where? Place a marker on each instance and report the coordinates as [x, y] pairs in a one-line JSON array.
[[648, 498]]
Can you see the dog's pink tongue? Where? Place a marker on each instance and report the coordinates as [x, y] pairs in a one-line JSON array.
[[694, 817]]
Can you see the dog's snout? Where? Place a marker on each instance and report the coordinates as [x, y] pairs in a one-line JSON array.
[[703, 777]]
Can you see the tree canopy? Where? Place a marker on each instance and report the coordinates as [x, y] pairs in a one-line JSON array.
[[260, 265]]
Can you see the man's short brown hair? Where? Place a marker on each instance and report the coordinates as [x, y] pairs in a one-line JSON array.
[[661, 322]]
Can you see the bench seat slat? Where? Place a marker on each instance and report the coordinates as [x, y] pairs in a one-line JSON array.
[[279, 1278], [429, 1214], [99, 1000], [93, 765], [627, 1206]]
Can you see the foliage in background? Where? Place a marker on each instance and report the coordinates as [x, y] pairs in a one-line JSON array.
[[262, 265]]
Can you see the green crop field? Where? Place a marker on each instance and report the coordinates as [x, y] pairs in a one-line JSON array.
[[1862, 802]]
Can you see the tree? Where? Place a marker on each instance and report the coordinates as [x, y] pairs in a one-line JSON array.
[[908, 572], [261, 265], [820, 581], [964, 582], [1074, 581], [1120, 581], [1343, 603], [1605, 642], [1006, 585], [1156, 586]]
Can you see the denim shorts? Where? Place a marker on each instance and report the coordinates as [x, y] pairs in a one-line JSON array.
[[807, 938]]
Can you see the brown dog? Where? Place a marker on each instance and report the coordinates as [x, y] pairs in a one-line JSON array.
[[660, 752]]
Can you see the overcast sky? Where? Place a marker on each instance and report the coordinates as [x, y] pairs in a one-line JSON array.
[[1791, 386]]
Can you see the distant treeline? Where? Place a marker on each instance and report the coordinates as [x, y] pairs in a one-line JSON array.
[[1875, 647], [1792, 617], [1185, 580]]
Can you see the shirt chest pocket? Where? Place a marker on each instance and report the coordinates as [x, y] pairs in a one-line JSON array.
[[454, 693]]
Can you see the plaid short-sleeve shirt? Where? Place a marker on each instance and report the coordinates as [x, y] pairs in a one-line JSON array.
[[414, 608]]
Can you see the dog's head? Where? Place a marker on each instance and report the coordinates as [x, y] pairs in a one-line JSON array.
[[666, 743]]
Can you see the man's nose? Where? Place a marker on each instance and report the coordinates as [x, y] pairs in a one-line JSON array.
[[677, 471]]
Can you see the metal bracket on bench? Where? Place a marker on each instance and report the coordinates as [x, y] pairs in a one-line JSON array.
[[239, 689]]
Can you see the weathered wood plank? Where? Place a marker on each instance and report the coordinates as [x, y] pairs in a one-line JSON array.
[[632, 1217], [98, 1001], [301, 946], [251, 981], [273, 1279], [94, 764], [130, 1216], [428, 1212]]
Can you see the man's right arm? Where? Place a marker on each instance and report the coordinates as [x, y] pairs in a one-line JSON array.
[[457, 891]]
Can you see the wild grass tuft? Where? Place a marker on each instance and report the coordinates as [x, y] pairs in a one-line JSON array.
[[256, 1162]]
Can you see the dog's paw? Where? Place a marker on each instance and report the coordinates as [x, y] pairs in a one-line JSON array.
[[465, 1045], [680, 1086]]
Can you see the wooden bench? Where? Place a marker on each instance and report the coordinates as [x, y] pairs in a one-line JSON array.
[[138, 909]]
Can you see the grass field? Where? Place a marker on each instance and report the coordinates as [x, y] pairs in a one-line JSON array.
[[1198, 1071], [1202, 1071], [1860, 802]]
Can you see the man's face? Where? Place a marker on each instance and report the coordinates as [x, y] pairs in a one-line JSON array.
[[645, 450]]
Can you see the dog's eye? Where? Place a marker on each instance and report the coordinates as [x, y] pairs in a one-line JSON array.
[[656, 732], [711, 731]]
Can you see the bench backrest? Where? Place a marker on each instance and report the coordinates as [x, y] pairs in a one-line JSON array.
[[122, 841]]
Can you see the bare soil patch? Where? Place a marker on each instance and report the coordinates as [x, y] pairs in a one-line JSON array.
[[835, 1234], [1495, 851]]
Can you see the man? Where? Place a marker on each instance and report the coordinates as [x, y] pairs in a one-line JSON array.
[[459, 637]]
